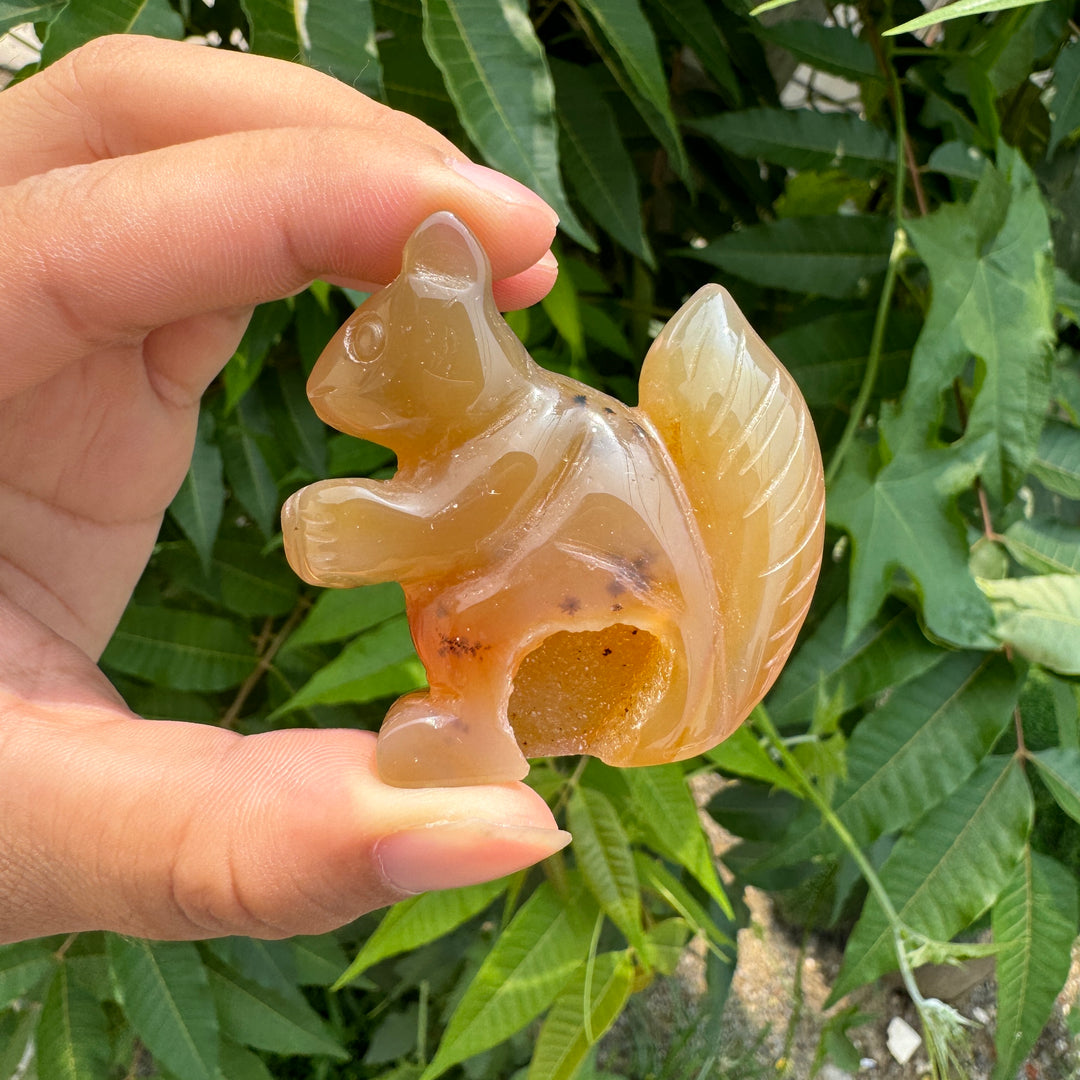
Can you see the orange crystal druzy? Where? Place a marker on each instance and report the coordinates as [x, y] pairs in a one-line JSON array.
[[580, 576]]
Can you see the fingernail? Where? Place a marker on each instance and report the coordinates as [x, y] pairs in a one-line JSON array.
[[502, 185], [448, 855], [549, 262]]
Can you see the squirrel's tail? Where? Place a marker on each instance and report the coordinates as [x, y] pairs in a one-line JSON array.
[[741, 437]]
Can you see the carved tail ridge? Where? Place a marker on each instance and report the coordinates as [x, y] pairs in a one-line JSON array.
[[741, 436]]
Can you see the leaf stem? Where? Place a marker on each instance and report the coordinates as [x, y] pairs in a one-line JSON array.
[[266, 658]]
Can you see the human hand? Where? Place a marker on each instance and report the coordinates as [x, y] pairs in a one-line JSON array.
[[151, 193]]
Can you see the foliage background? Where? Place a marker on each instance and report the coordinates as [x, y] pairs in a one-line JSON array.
[[910, 246]]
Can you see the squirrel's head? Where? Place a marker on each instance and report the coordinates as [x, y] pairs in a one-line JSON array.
[[425, 353]]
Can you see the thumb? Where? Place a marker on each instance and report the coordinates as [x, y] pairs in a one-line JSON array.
[[177, 831]]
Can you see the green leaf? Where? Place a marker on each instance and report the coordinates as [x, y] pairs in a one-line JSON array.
[[993, 299], [264, 330], [198, 505], [637, 67], [72, 1036], [82, 20], [184, 650], [827, 256], [606, 862], [16, 12], [742, 754], [564, 1037], [1057, 461], [562, 308], [957, 11], [166, 997], [1044, 545], [294, 422], [1034, 924], [356, 674], [921, 745], [16, 1032], [1059, 768], [1064, 106], [336, 38], [655, 876], [253, 1014], [239, 1063], [528, 965], [885, 655], [22, 966], [666, 810], [903, 517], [834, 49], [496, 72], [1039, 617], [596, 161], [250, 477], [420, 919], [957, 159], [802, 139], [695, 25], [319, 960], [342, 613], [947, 871], [240, 578]]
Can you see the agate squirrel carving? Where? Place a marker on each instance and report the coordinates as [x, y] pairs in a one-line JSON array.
[[580, 576]]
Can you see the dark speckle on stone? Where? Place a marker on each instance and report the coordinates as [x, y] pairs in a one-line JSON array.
[[580, 399]]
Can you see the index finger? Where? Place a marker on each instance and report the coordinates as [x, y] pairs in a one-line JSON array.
[[125, 94]]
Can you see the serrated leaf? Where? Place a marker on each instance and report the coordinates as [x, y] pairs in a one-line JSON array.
[[947, 870], [338, 39], [184, 650], [596, 161], [319, 960], [530, 962], [356, 674], [637, 68], [1059, 768], [496, 72], [16, 12], [239, 1063], [694, 24], [294, 422], [921, 745], [654, 875], [957, 11], [72, 1037], [992, 299], [240, 579], [834, 49], [82, 20], [252, 1014], [1039, 617], [742, 754], [603, 855], [802, 139], [1064, 106], [1057, 460], [827, 356], [1044, 545], [885, 655], [250, 477], [667, 812], [198, 505], [826, 256], [957, 159], [902, 516], [418, 920], [564, 1037], [342, 613], [1034, 924], [22, 966], [166, 998]]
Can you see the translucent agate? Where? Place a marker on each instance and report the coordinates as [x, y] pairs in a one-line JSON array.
[[581, 577]]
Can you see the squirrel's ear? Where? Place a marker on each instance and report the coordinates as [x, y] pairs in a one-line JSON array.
[[445, 253]]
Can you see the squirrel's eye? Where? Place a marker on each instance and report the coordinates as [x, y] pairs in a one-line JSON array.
[[365, 342]]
